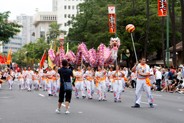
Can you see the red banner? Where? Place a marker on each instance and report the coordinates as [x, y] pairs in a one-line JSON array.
[[112, 19], [162, 8]]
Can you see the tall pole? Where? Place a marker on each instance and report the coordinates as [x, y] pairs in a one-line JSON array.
[[182, 25], [116, 22], [167, 32]]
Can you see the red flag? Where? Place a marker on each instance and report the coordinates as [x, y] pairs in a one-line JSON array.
[[1, 59], [162, 8], [44, 56], [5, 59]]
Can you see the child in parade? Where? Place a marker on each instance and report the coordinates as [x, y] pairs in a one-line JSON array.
[[79, 83], [100, 83], [29, 75], [89, 75], [50, 74], [9, 79], [36, 80], [117, 84], [21, 80]]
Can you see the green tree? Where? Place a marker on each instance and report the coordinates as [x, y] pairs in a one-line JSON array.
[[91, 25], [30, 53], [7, 29]]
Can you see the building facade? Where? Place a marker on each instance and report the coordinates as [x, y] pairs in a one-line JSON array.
[[54, 5], [27, 29], [42, 20], [14, 43], [65, 11]]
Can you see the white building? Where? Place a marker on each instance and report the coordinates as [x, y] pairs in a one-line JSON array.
[[54, 5], [27, 28], [65, 11], [14, 43], [42, 20]]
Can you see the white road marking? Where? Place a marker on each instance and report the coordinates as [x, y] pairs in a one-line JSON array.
[[42, 95], [148, 103], [158, 95], [80, 112], [4, 97], [180, 109]]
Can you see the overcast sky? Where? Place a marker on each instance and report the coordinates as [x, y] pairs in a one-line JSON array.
[[28, 7]]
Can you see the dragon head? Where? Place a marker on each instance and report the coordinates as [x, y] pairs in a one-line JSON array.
[[114, 43]]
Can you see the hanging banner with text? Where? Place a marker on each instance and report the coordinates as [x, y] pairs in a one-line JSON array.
[[162, 8], [112, 19]]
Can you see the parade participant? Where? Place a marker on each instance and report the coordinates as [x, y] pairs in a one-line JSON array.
[[40, 73], [124, 71], [21, 80], [44, 80], [133, 78], [24, 73], [55, 79], [79, 83], [65, 76], [9, 79], [50, 74], [36, 80], [117, 84], [89, 75], [29, 76], [1, 81], [110, 78], [143, 83], [100, 83]]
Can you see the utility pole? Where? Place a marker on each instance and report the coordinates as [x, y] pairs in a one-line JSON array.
[[147, 29], [167, 33]]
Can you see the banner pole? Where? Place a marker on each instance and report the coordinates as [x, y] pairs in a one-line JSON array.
[[134, 48]]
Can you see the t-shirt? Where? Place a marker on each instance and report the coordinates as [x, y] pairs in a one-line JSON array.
[[65, 74], [170, 75], [142, 69], [158, 75]]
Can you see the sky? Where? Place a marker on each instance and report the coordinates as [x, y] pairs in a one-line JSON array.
[[28, 7]]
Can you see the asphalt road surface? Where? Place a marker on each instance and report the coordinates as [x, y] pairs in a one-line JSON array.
[[19, 106]]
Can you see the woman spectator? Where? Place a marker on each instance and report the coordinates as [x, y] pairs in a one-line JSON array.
[[65, 76], [165, 80]]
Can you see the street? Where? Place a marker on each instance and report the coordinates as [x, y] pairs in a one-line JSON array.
[[19, 106]]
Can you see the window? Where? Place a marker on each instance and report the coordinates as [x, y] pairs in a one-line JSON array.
[[69, 16], [73, 7], [65, 16], [65, 24], [68, 7], [65, 7]]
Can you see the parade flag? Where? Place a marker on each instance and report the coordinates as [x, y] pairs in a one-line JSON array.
[[1, 59], [50, 63], [112, 19], [9, 57], [162, 8], [43, 59]]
